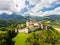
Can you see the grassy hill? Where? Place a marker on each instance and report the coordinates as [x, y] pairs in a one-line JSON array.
[[21, 38], [15, 18]]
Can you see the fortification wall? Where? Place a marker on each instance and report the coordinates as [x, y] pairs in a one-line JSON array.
[[24, 30]]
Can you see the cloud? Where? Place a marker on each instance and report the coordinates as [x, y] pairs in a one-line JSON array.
[[40, 4], [7, 12], [56, 11], [52, 7], [5, 4], [12, 5], [52, 12], [33, 7], [18, 5]]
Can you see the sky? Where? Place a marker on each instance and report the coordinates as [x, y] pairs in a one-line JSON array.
[[30, 7]]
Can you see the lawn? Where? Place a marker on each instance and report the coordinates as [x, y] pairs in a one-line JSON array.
[[21, 38], [31, 27]]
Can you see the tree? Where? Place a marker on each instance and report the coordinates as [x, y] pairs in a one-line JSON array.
[[6, 37], [44, 37]]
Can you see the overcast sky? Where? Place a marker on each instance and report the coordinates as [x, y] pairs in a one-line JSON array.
[[32, 7]]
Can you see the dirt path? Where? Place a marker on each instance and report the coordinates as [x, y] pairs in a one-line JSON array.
[[58, 29]]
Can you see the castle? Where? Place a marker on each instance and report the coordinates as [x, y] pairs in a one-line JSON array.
[[34, 23]]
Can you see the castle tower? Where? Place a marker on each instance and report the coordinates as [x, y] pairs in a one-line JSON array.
[[41, 26], [27, 23], [16, 30]]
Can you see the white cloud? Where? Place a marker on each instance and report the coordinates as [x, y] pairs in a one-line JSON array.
[[5, 4], [52, 12], [8, 12], [57, 2], [36, 8], [19, 3], [9, 6], [41, 4], [33, 2]]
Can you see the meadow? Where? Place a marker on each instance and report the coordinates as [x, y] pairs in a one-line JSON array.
[[21, 38]]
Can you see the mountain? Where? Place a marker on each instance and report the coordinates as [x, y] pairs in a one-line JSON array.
[[13, 16], [52, 17], [53, 20]]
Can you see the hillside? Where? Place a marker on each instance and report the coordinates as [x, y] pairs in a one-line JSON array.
[[52, 19], [15, 16], [46, 37]]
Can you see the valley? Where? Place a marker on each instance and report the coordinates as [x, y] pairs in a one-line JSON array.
[[42, 35], [29, 22]]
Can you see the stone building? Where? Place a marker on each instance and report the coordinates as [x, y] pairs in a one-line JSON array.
[[34, 23]]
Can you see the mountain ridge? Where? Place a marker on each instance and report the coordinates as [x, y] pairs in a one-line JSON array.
[[15, 16]]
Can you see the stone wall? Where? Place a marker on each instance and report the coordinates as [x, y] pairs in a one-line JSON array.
[[27, 30], [31, 30], [24, 30]]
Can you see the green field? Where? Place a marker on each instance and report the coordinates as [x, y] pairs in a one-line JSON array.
[[56, 26], [21, 38]]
